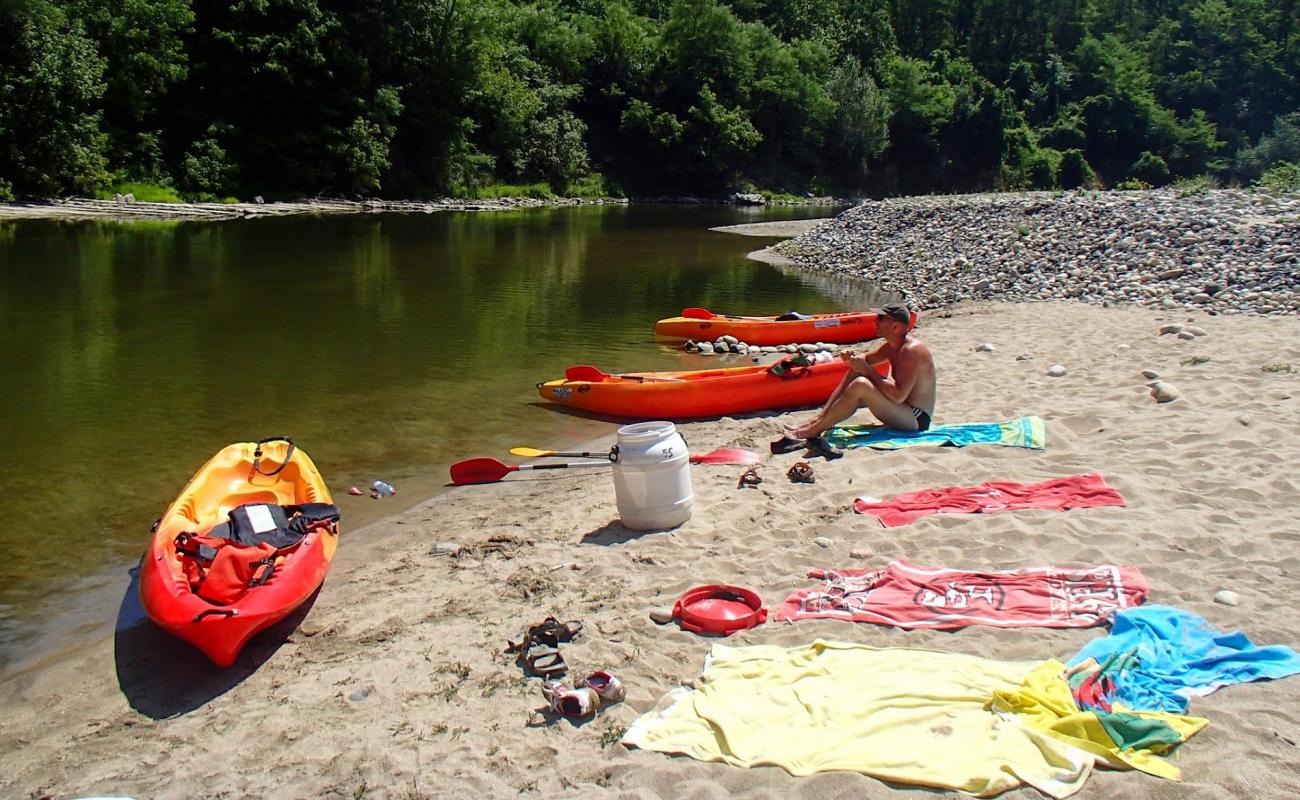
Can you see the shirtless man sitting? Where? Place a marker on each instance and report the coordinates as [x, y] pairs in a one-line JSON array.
[[904, 401]]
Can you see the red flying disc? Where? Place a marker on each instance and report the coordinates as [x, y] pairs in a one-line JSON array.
[[719, 609]]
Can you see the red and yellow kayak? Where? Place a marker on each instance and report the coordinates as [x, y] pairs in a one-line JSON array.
[[845, 328], [698, 393], [228, 481]]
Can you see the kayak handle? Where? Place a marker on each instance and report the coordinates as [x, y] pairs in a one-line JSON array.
[[223, 612], [257, 455]]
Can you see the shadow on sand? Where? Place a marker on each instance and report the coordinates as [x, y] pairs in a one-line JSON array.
[[162, 676], [614, 533]]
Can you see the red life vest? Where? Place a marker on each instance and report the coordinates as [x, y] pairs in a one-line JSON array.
[[221, 571]]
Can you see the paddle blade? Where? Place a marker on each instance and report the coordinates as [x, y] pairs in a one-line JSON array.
[[727, 455], [584, 372], [531, 452], [698, 313], [479, 470]]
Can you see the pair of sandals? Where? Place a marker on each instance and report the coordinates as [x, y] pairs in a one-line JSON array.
[[817, 445], [584, 700], [539, 646]]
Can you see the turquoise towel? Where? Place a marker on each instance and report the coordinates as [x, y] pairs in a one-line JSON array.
[[1180, 656], [1027, 432]]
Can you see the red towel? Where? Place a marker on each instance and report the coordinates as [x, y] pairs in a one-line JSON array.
[[909, 596], [1062, 494]]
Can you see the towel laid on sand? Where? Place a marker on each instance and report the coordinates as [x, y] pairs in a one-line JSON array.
[[1119, 739], [907, 596], [906, 715], [1059, 494], [1179, 656], [1027, 432]]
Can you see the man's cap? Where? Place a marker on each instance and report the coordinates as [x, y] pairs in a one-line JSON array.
[[897, 313]]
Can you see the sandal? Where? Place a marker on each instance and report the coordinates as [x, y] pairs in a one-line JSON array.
[[539, 647], [549, 627], [801, 472], [581, 702], [787, 444], [821, 447], [544, 659], [750, 478], [610, 689]]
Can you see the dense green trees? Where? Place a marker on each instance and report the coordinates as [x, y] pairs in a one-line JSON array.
[[422, 97]]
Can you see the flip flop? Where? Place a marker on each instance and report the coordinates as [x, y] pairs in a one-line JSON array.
[[787, 444], [821, 447]]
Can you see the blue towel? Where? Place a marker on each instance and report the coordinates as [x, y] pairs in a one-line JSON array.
[[1027, 432], [1180, 656]]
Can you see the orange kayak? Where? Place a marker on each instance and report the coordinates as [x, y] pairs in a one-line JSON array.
[[228, 481], [845, 328], [698, 393]]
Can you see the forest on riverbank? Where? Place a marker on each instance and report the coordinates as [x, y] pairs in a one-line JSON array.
[[209, 99]]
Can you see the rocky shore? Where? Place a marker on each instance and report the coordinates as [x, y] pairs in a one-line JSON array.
[[126, 209], [1221, 251]]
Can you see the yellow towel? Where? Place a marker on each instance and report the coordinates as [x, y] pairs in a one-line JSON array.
[[900, 714], [1044, 702]]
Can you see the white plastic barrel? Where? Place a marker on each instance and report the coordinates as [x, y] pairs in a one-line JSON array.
[[652, 476]]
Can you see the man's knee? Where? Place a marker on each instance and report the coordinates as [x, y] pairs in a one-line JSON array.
[[861, 387]]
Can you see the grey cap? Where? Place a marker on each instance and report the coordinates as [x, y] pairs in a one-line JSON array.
[[898, 313]]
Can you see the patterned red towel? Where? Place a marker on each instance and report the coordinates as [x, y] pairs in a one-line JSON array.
[[909, 596], [1061, 494]]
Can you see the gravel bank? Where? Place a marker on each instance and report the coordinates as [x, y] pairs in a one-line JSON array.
[[1224, 251]]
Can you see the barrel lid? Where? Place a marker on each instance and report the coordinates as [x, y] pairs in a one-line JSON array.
[[657, 429]]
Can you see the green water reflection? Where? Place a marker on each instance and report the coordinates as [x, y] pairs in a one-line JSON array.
[[385, 345]]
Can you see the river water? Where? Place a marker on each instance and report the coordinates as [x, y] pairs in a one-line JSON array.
[[387, 346]]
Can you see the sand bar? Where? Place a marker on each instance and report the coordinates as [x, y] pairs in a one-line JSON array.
[[394, 683]]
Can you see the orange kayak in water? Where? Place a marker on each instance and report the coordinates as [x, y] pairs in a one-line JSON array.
[[700, 324], [697, 393], [273, 472]]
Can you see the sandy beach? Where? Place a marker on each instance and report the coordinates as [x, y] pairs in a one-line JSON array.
[[394, 683]]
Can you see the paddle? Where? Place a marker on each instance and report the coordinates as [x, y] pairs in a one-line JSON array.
[[727, 455], [586, 372], [704, 313], [489, 470]]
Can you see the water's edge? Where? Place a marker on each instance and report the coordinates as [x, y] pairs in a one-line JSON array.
[[85, 612]]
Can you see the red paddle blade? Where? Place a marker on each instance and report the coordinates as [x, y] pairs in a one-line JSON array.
[[479, 470], [727, 455], [698, 313], [584, 372]]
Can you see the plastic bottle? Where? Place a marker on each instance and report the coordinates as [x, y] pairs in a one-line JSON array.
[[383, 488]]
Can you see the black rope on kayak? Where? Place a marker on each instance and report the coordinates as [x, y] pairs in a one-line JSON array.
[[257, 455]]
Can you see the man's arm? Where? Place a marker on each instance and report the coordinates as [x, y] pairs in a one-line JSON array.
[[898, 386], [878, 356]]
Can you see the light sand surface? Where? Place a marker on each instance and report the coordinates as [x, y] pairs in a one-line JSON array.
[[416, 637], [782, 228]]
